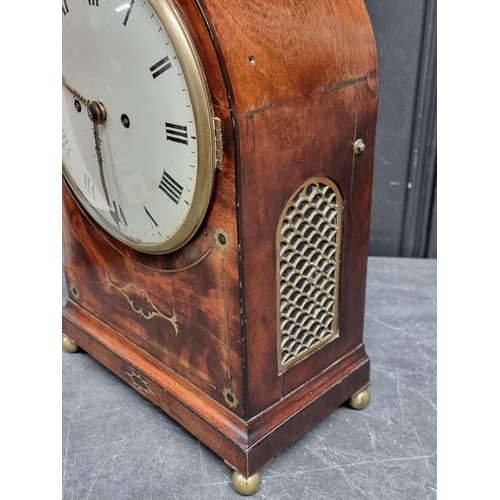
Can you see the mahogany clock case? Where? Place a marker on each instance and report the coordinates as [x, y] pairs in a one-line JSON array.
[[197, 331]]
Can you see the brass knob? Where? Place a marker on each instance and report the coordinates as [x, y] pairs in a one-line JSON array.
[[246, 485], [359, 146], [360, 400], [69, 345]]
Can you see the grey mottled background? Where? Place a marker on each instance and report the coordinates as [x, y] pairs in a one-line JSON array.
[[404, 213]]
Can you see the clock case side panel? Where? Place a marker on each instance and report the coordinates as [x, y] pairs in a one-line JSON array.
[[195, 289], [304, 86]]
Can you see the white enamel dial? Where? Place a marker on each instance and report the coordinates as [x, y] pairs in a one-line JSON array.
[[137, 134]]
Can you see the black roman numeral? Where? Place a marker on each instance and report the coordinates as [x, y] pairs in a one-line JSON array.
[[151, 219], [171, 188], [64, 144], [94, 2], [65, 9], [89, 185], [129, 10], [160, 67], [176, 133]]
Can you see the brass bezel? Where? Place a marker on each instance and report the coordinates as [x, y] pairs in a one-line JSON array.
[[340, 215], [205, 132]]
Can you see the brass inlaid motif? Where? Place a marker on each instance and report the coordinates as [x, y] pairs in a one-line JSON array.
[[230, 397], [139, 382], [308, 260], [141, 302]]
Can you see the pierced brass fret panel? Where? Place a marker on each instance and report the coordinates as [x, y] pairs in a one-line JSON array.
[[308, 251]]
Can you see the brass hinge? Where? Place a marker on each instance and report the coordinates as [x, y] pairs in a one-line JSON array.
[[218, 145]]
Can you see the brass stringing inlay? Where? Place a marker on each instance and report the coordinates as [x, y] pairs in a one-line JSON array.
[[140, 383], [230, 397], [309, 240], [141, 302]]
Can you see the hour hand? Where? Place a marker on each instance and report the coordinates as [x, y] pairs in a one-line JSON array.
[[97, 144], [77, 94], [97, 114]]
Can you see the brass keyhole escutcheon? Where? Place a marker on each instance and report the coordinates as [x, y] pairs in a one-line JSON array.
[[359, 146]]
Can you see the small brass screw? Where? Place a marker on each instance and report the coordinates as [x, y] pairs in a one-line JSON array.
[[359, 146]]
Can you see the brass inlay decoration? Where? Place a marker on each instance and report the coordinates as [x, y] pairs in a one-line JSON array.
[[308, 262], [141, 302], [230, 397], [139, 382]]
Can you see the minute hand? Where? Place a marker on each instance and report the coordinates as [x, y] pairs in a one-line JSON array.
[[97, 143], [97, 113]]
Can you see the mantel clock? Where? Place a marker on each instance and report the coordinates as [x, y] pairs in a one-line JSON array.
[[217, 173]]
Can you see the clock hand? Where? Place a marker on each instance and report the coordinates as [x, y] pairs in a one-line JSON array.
[[97, 114], [79, 96], [97, 143]]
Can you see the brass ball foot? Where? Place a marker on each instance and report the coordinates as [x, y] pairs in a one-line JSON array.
[[246, 485], [69, 345], [360, 400]]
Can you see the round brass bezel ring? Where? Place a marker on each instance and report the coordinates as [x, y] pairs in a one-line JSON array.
[[205, 132]]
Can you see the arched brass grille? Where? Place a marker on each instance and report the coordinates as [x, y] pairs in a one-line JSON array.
[[309, 242]]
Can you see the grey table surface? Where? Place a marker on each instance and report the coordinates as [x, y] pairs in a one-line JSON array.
[[118, 446]]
